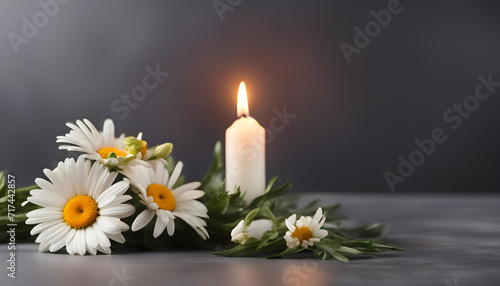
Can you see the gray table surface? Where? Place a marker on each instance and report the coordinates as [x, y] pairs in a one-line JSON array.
[[449, 240]]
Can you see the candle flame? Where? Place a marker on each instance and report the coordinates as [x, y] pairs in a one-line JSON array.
[[242, 109]]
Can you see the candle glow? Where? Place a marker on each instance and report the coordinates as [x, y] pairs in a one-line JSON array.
[[242, 107]]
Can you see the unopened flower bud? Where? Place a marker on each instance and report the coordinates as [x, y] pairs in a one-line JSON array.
[[163, 150], [134, 145]]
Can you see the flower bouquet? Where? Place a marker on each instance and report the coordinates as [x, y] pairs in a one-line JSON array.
[[120, 195]]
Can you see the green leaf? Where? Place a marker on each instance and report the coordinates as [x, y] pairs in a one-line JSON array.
[[215, 168], [259, 201], [22, 230], [170, 164], [287, 251], [274, 235], [349, 250], [249, 218], [334, 253], [241, 249], [2, 179], [386, 245], [271, 183], [218, 206], [270, 215], [2, 184], [369, 230], [269, 238]]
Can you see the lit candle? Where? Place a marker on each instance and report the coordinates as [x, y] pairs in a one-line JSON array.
[[245, 152]]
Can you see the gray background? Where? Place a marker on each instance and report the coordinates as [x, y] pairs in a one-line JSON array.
[[353, 120]]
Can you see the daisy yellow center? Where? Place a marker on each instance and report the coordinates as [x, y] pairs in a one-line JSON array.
[[302, 233], [162, 196], [80, 212], [104, 152]]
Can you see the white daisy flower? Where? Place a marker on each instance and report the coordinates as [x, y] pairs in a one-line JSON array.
[[256, 229], [101, 146], [305, 231], [81, 208], [155, 189]]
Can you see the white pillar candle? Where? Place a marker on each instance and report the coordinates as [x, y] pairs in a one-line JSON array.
[[245, 152]]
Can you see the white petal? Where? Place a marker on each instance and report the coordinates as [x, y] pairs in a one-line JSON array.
[[96, 176], [290, 222], [189, 195], [81, 247], [70, 241], [192, 207], [160, 226], [43, 226], [118, 201], [95, 134], [288, 236], [171, 227], [53, 189], [175, 175], [163, 215], [91, 250], [102, 239], [186, 187], [43, 215], [79, 176], [238, 229], [321, 233], [318, 215], [105, 250], [111, 193], [118, 237], [88, 133], [47, 199], [58, 244], [322, 221], [106, 181], [43, 247], [119, 211], [108, 224], [53, 233], [195, 222], [108, 130], [91, 238], [142, 219]]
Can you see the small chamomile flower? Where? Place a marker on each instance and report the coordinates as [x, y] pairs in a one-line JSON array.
[[305, 231]]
